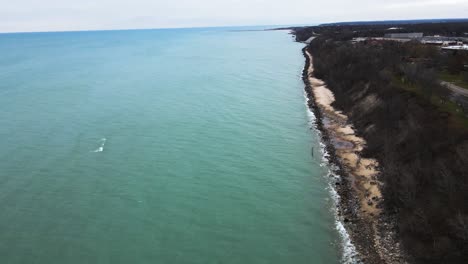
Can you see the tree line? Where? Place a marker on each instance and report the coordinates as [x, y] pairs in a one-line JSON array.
[[421, 144]]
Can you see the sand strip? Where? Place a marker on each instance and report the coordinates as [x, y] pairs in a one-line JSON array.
[[348, 147]]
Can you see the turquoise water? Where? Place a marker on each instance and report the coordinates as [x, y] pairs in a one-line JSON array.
[[159, 146]]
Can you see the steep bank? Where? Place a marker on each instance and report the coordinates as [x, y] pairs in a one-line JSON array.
[[420, 146], [359, 187]]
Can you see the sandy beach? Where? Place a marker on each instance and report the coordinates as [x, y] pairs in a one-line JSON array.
[[371, 232], [348, 147]]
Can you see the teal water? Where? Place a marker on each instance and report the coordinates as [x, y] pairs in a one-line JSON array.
[[159, 146]]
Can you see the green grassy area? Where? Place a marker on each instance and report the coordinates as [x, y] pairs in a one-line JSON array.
[[457, 117], [456, 79]]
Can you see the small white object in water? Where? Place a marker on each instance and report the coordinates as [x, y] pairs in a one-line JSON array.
[[101, 148]]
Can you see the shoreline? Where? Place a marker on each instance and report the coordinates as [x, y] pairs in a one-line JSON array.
[[370, 229]]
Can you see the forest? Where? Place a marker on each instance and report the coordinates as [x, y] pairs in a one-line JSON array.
[[349, 31], [416, 132]]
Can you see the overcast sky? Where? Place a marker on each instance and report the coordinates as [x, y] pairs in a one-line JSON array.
[[63, 15]]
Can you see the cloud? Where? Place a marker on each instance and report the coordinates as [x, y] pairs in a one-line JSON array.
[[425, 3], [59, 15]]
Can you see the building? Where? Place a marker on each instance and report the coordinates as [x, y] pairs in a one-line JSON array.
[[357, 40], [441, 41], [457, 47], [404, 35]]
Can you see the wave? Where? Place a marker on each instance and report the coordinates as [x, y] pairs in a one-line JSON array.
[[101, 147], [349, 253]]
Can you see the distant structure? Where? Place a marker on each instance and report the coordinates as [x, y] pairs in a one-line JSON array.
[[357, 40], [446, 43], [394, 28], [404, 35], [441, 40], [457, 47]]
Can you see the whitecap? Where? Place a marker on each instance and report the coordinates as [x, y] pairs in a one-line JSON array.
[[101, 147]]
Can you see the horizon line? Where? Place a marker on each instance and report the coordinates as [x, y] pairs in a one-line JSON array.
[[228, 26], [155, 28], [396, 20]]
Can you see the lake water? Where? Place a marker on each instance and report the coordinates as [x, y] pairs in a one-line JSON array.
[[160, 146]]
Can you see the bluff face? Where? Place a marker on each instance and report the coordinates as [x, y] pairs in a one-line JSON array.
[[419, 137]]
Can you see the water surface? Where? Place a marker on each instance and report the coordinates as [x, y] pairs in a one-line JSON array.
[[159, 146]]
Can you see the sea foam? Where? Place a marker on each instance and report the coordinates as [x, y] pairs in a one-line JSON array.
[[349, 253]]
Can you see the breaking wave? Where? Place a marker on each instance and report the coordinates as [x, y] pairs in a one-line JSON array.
[[349, 253]]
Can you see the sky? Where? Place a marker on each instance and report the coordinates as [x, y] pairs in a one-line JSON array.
[[67, 15]]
